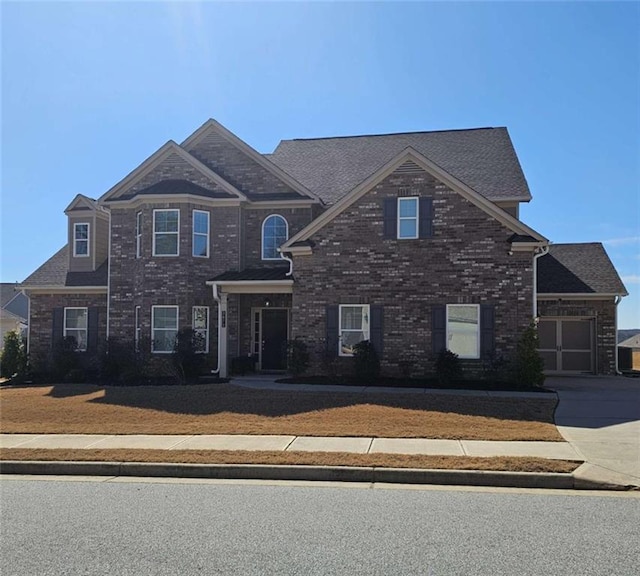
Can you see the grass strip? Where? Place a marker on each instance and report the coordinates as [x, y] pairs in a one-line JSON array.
[[499, 463]]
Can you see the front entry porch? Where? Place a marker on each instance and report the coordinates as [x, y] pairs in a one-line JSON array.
[[254, 319]]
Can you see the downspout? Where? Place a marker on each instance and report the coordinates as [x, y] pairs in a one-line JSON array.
[[23, 291], [541, 251], [282, 255], [216, 297], [617, 301], [108, 277]]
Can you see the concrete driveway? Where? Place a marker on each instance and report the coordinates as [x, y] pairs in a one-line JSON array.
[[600, 417]]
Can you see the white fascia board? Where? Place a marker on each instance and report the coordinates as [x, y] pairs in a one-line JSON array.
[[577, 296], [173, 199], [254, 286]]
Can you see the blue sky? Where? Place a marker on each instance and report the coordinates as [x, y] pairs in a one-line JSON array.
[[89, 90]]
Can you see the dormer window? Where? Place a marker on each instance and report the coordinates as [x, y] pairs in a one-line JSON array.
[[81, 239], [275, 232]]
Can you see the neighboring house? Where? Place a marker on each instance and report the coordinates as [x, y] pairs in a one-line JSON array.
[[14, 310], [412, 241], [629, 353]]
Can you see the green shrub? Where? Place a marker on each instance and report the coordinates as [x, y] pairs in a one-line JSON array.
[[366, 361], [448, 367], [529, 364], [122, 362], [496, 368], [187, 360], [64, 358], [297, 357], [13, 362]]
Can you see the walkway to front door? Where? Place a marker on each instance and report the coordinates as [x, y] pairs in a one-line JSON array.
[[272, 332]]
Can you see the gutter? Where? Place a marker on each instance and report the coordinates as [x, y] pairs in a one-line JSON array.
[[615, 354], [216, 297]]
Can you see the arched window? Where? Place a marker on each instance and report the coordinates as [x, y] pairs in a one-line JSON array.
[[275, 232]]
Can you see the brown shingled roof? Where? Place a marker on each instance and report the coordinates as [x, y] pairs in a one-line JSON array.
[[482, 158], [578, 269]]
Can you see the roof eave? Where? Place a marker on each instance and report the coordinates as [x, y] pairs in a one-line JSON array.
[[580, 295]]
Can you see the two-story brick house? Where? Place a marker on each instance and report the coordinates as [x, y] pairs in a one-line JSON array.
[[412, 241]]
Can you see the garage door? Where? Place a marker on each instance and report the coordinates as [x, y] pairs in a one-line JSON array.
[[567, 344]]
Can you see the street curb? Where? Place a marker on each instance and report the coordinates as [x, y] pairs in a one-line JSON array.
[[311, 473]]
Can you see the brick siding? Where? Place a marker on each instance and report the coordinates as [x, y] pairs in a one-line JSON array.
[[466, 261]]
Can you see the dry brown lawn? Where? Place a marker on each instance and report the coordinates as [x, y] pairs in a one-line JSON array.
[[228, 409], [512, 464]]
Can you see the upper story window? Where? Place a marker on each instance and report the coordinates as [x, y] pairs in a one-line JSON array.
[[354, 327], [408, 218], [138, 234], [275, 232], [200, 239], [463, 330], [81, 239], [166, 236], [75, 326]]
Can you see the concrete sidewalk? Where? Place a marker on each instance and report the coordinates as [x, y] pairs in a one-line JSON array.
[[553, 450]]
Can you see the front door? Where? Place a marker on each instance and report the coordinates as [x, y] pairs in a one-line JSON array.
[[566, 344], [275, 329]]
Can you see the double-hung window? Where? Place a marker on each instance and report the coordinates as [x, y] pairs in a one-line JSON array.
[[138, 234], [408, 216], [166, 236], [81, 239], [200, 240], [354, 326], [164, 328], [201, 328], [275, 232], [75, 326], [463, 330]]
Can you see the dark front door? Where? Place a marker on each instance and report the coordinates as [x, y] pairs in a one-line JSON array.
[[274, 339]]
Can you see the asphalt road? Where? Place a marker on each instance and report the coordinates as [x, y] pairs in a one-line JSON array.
[[121, 528]]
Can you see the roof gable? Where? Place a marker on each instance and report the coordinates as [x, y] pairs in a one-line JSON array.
[[120, 189], [212, 133], [409, 159], [81, 203], [482, 158]]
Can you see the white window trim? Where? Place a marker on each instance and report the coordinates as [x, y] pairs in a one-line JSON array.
[[366, 308], [137, 328], [416, 218], [194, 233], [75, 240], [206, 338], [138, 234], [153, 329], [177, 233], [286, 224], [86, 328], [477, 355]]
